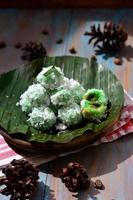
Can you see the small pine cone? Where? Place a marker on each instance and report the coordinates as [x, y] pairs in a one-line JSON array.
[[33, 50], [75, 177], [20, 179], [112, 37]]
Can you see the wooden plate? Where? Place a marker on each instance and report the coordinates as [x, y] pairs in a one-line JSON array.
[[14, 122], [49, 147]]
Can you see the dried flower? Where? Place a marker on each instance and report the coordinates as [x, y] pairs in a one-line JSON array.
[[111, 37], [33, 50], [75, 177], [20, 180]]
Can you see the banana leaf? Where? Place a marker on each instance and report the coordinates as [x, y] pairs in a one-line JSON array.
[[87, 72]]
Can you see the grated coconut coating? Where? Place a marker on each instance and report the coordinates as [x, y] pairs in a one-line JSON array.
[[62, 98], [42, 118], [70, 115], [36, 95], [55, 91], [76, 89], [50, 77]]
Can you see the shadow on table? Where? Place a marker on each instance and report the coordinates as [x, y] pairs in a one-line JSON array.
[[98, 160], [88, 194], [43, 192], [125, 53]]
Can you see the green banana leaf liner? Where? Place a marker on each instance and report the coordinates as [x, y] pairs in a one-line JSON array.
[[90, 74]]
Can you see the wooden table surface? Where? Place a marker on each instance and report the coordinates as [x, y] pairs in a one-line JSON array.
[[113, 162]]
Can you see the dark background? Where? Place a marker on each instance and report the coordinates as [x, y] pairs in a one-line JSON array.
[[65, 3]]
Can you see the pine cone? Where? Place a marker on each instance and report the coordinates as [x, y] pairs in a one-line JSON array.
[[33, 50], [111, 37], [20, 181], [75, 177]]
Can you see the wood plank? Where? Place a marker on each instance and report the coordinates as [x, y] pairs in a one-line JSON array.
[[107, 162], [59, 27], [81, 21], [125, 71], [24, 26], [20, 26], [41, 187], [112, 163]]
